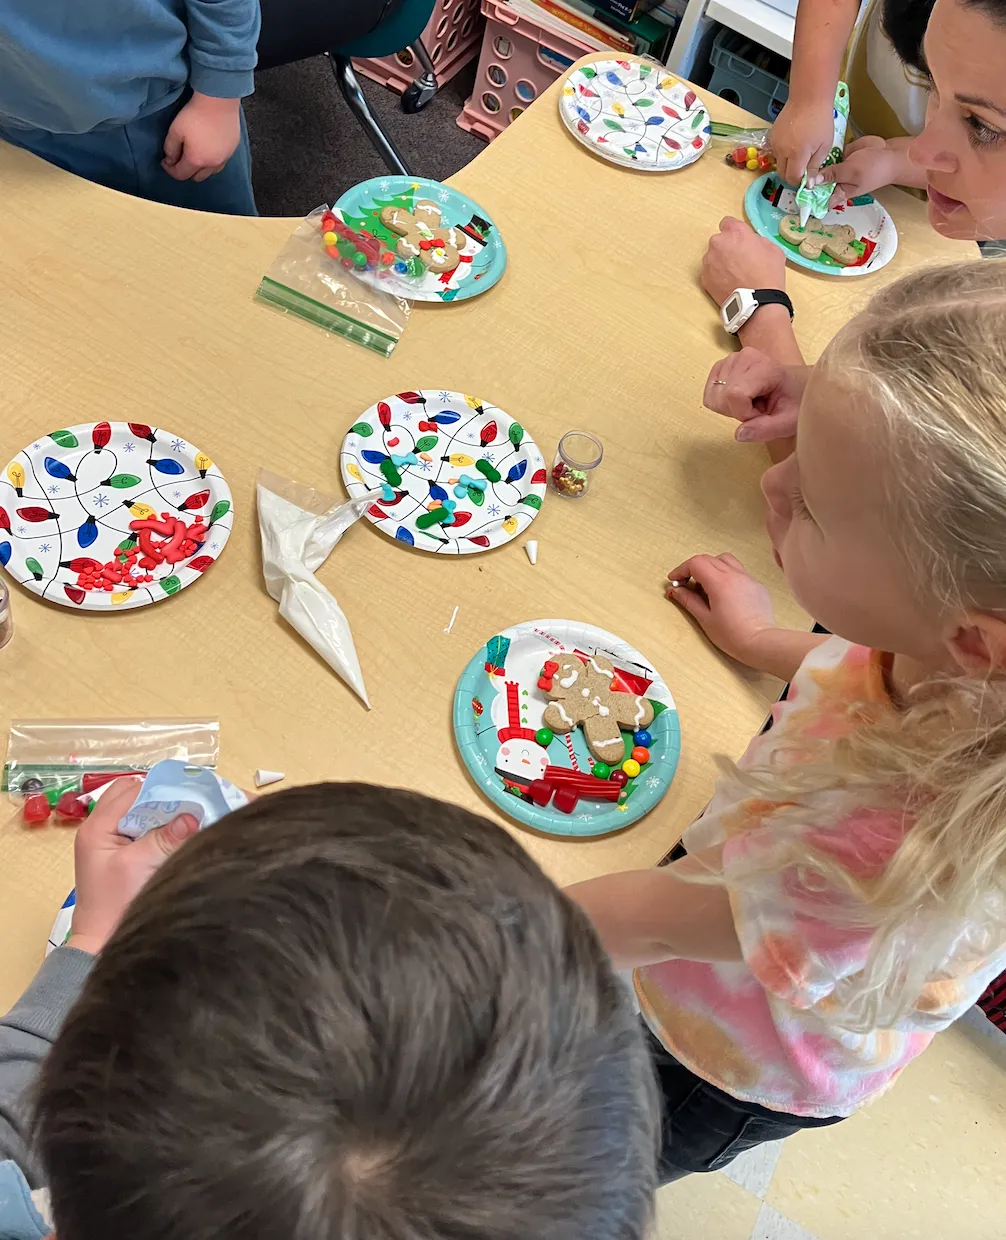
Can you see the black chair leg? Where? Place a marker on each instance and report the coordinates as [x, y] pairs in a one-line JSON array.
[[422, 90], [349, 85]]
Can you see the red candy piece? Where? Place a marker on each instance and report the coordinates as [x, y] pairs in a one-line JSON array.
[[550, 668], [641, 755], [619, 777], [545, 682], [36, 809], [71, 806], [540, 791], [566, 798]]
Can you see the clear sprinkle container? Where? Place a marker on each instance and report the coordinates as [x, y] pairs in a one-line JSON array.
[[578, 455]]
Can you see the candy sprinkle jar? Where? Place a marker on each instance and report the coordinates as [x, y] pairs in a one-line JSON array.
[[578, 455]]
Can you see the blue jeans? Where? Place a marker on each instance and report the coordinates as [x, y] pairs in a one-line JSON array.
[[128, 158]]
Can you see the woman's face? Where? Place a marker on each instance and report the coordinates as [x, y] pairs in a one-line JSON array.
[[963, 146]]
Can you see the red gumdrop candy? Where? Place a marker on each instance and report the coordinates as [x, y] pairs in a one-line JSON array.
[[71, 806], [540, 791], [565, 799], [36, 809]]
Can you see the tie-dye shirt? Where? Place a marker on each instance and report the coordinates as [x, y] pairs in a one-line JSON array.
[[769, 1030]]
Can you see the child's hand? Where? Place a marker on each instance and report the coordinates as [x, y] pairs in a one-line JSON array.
[[738, 258], [732, 609], [111, 869], [868, 164], [801, 139], [202, 138], [762, 395]]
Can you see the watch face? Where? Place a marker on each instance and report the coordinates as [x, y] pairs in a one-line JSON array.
[[732, 308]]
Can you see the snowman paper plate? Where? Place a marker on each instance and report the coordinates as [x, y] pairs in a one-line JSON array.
[[68, 502], [498, 717], [483, 254], [449, 473], [635, 113], [767, 200]]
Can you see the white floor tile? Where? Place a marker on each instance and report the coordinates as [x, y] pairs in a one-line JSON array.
[[754, 1169], [771, 1225]]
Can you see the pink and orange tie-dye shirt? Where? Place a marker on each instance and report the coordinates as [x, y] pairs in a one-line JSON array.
[[769, 1030]]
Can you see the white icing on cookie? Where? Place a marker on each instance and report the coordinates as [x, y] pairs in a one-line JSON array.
[[640, 711], [407, 247], [566, 681], [601, 710], [601, 671], [585, 692], [619, 745], [562, 713]]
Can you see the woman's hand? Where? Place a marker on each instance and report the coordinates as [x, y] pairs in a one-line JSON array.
[[802, 137], [869, 163], [111, 869], [761, 394], [737, 257]]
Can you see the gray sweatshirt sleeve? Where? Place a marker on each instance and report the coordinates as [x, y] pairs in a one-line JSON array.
[[222, 47], [26, 1033]]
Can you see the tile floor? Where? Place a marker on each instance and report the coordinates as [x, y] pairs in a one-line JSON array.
[[925, 1162]]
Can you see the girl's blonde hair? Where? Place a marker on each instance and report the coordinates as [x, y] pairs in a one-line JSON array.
[[928, 356]]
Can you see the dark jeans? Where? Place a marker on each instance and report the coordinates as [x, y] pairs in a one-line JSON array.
[[704, 1128]]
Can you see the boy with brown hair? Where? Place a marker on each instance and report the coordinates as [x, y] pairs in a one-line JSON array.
[[350, 1013]]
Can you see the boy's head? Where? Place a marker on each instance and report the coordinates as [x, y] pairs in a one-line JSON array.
[[349, 1013]]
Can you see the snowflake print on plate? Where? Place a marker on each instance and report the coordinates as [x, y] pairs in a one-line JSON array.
[[635, 113], [429, 488], [75, 540]]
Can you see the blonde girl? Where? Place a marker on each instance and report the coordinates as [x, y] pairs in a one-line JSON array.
[[851, 893]]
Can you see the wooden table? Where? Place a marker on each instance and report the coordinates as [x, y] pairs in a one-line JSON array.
[[114, 308]]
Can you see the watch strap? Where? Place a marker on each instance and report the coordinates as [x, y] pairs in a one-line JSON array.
[[772, 297]]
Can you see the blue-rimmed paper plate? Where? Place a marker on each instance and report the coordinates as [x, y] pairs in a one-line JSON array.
[[635, 114], [483, 257], [767, 200], [498, 708]]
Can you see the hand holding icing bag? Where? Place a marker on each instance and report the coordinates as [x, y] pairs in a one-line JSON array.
[[814, 201], [172, 788]]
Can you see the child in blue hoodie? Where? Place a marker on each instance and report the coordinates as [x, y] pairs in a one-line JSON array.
[[141, 95]]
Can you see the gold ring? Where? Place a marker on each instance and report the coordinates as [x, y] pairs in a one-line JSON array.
[[719, 383]]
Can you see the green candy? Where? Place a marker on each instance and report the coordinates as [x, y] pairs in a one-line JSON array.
[[488, 471], [544, 737], [600, 770]]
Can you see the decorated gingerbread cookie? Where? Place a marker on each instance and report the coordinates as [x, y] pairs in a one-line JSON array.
[[423, 236], [835, 240], [582, 694]]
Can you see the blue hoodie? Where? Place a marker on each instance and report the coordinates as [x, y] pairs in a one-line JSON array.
[[71, 66]]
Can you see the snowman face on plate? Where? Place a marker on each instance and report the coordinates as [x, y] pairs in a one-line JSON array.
[[521, 760]]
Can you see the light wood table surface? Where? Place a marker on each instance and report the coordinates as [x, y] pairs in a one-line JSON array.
[[114, 308]]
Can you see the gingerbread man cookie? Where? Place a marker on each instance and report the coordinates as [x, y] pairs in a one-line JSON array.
[[582, 693], [423, 237], [835, 240]]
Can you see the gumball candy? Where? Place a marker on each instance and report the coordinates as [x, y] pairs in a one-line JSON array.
[[601, 770], [30, 785], [752, 164], [328, 221], [752, 152], [631, 767], [331, 251], [642, 737], [330, 238], [641, 755], [387, 258], [619, 777], [544, 737]]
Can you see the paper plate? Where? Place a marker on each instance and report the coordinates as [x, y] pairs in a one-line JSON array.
[[483, 259], [498, 708], [469, 453], [635, 114], [67, 500], [767, 200]]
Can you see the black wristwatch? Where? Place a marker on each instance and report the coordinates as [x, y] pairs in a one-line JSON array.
[[743, 302]]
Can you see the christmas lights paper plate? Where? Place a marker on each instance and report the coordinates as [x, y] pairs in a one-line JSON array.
[[635, 113], [111, 515], [876, 239], [449, 473], [529, 771], [416, 218]]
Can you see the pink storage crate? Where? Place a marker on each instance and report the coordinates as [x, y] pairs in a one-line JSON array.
[[519, 60], [452, 37]]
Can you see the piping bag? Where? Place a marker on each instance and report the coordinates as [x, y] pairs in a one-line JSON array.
[[299, 528], [814, 201]]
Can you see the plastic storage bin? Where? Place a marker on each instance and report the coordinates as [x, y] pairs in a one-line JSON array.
[[747, 74], [452, 37], [519, 60]]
